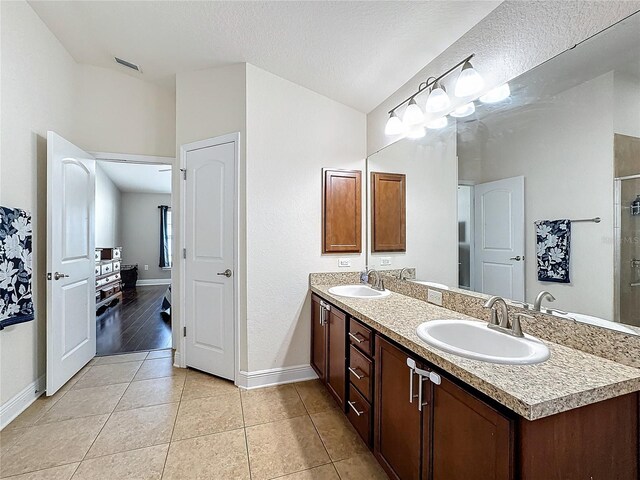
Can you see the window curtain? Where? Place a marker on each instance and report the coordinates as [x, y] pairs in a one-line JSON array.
[[165, 247]]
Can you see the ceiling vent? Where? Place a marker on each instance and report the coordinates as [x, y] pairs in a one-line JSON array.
[[130, 65]]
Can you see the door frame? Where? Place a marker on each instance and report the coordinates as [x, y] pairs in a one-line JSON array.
[[472, 242], [181, 353]]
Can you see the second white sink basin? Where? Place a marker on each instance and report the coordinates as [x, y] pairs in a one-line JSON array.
[[358, 291], [475, 340]]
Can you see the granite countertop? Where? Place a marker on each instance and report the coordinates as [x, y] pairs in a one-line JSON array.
[[569, 379]]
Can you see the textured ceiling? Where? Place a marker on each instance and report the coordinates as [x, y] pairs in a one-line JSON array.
[[357, 53]]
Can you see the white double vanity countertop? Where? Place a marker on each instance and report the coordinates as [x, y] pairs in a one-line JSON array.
[[568, 379]]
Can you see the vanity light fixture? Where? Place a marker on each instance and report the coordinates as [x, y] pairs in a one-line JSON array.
[[416, 132], [497, 94], [464, 110], [438, 100], [394, 125], [413, 114], [469, 83], [438, 123]]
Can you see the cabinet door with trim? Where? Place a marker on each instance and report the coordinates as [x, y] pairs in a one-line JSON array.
[[318, 337], [337, 354], [388, 212], [341, 215]]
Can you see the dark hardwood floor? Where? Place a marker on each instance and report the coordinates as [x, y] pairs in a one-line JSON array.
[[134, 324]]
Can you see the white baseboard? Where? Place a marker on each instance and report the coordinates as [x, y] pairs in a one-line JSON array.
[[177, 360], [275, 376], [153, 281], [20, 402]]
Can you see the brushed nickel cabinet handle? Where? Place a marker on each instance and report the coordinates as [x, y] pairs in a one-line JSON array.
[[356, 338], [359, 377], [353, 406]]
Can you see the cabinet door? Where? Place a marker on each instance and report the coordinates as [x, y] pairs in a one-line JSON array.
[[388, 212], [318, 337], [470, 439], [397, 427], [341, 212], [337, 354]]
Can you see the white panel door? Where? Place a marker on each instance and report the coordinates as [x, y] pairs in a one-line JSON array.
[[71, 302], [209, 241], [499, 238]]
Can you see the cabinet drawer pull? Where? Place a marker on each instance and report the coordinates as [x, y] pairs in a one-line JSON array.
[[357, 338], [353, 407], [354, 371]]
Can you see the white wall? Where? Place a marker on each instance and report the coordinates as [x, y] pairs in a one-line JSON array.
[[511, 40], [37, 87], [292, 133], [431, 168], [565, 153], [140, 219], [108, 206], [626, 91]]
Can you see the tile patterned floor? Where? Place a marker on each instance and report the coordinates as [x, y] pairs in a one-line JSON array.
[[135, 416]]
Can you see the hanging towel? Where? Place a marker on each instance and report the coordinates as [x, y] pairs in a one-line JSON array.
[[16, 302], [553, 242]]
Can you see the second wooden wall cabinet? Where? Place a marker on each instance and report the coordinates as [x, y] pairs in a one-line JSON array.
[[341, 211], [388, 212]]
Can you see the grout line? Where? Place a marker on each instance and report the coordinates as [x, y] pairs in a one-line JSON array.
[[304, 470], [246, 439], [174, 424]]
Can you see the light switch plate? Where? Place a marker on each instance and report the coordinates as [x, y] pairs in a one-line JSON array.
[[434, 296], [344, 262], [385, 261], [146, 267]]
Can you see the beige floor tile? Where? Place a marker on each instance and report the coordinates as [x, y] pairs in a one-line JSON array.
[[324, 472], [154, 391], [125, 357], [141, 427], [218, 456], [98, 375], [157, 368], [160, 354], [315, 397], [56, 473], [269, 404], [338, 436], [35, 411], [359, 467], [73, 380], [203, 416], [85, 403], [200, 385], [141, 464], [51, 445], [284, 447]]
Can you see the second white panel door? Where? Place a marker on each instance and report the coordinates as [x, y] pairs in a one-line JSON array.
[[209, 240]]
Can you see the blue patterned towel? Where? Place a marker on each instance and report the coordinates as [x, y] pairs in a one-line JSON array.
[[553, 242], [16, 302]]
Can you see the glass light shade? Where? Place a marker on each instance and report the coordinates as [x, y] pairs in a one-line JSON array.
[[497, 94], [417, 132], [464, 110], [438, 100], [413, 114], [469, 82], [438, 123], [394, 125]]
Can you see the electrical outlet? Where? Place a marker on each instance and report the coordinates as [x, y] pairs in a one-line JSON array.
[[146, 267], [385, 261], [344, 262], [434, 296]]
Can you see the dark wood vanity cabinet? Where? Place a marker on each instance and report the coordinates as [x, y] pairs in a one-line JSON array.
[[318, 337]]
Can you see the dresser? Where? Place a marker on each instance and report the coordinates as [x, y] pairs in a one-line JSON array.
[[108, 279]]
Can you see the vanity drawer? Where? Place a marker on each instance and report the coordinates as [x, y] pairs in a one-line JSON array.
[[107, 268], [361, 337], [107, 292], [359, 413], [361, 372], [117, 252], [116, 266]]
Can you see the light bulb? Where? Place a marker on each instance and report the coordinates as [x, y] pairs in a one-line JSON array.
[[394, 125], [497, 94], [417, 132], [438, 100], [438, 123], [413, 114], [464, 110], [469, 82]]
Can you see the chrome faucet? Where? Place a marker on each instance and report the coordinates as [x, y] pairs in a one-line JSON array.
[[378, 284], [543, 295], [404, 271], [515, 328]]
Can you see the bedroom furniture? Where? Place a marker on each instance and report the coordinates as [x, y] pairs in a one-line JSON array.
[[108, 279]]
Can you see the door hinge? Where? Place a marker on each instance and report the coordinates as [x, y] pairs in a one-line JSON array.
[[184, 253], [184, 331], [184, 173]]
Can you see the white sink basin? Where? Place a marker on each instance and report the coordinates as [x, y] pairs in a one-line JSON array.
[[475, 340], [358, 291]]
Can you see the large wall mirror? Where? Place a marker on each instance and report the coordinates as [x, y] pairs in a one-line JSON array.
[[488, 196]]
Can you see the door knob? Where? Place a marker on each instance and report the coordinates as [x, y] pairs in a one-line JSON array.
[[58, 276], [227, 273], [517, 258]]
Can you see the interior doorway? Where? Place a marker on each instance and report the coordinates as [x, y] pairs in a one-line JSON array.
[[133, 256]]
